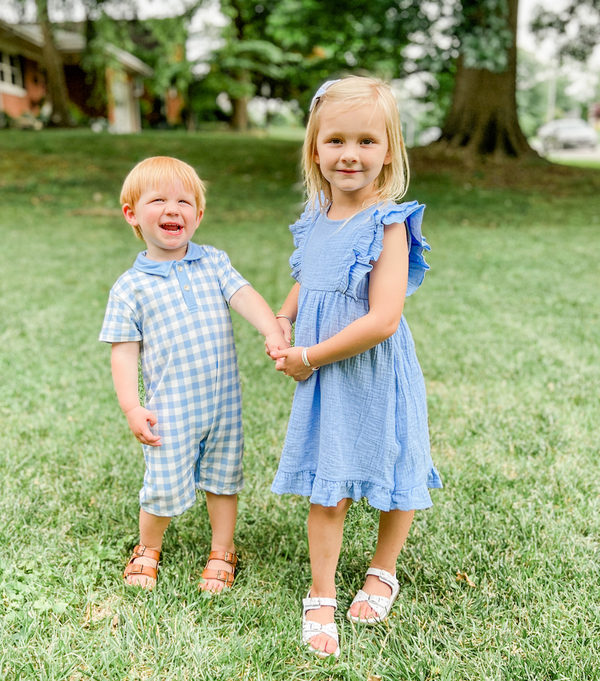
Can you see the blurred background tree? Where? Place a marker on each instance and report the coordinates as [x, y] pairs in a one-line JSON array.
[[472, 82]]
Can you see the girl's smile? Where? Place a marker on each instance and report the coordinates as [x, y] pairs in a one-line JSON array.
[[352, 148]]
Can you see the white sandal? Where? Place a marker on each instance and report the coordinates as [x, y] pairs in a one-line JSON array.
[[380, 604], [311, 629]]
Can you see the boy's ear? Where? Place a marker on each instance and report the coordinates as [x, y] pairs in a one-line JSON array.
[[199, 218], [129, 214]]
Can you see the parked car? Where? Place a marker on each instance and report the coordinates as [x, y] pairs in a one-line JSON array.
[[566, 133]]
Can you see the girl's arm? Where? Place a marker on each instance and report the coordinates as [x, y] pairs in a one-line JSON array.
[[254, 309], [289, 309], [124, 365], [387, 291]]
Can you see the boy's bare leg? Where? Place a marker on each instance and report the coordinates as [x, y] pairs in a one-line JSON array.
[[325, 531], [394, 527], [152, 529], [222, 511]]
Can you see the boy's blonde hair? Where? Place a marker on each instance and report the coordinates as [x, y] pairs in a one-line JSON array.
[[157, 171], [350, 93]]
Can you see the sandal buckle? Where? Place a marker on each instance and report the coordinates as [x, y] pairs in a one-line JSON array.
[[224, 576]]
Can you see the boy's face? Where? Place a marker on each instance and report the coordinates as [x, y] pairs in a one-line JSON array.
[[167, 218]]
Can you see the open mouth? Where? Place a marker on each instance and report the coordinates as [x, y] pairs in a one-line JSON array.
[[172, 228]]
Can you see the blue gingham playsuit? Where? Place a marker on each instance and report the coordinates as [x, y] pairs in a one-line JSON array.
[[358, 427], [179, 311]]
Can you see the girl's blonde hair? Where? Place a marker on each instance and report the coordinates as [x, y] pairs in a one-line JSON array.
[[350, 93], [158, 171]]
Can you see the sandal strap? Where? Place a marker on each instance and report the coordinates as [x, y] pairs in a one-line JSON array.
[[138, 569], [377, 603], [141, 550], [384, 577], [230, 557], [310, 603], [220, 575], [311, 629]]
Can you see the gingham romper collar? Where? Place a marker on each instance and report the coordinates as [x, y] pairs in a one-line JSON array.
[[163, 268]]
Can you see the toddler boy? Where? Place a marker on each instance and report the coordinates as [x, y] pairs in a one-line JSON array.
[[172, 308]]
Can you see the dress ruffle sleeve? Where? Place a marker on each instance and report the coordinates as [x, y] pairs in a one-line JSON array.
[[300, 231], [369, 246]]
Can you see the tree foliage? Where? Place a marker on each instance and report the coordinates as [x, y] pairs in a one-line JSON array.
[[575, 28]]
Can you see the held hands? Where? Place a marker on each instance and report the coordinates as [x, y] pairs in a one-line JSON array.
[[290, 362], [138, 419], [276, 341]]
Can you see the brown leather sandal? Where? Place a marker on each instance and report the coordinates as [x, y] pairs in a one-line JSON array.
[[138, 569], [224, 576]]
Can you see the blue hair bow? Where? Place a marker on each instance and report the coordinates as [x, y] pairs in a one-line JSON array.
[[321, 91]]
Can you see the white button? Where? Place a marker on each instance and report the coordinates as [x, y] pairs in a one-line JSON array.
[[186, 287], [180, 268]]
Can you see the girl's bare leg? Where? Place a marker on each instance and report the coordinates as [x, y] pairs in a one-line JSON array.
[[152, 529], [394, 527], [222, 511], [325, 530]]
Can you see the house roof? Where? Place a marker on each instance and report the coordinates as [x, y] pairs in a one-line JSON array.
[[28, 40]]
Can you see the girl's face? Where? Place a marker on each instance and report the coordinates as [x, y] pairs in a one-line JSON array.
[[352, 148]]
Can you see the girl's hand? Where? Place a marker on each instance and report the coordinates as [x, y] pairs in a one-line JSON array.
[[286, 329], [138, 419], [290, 362], [275, 341]]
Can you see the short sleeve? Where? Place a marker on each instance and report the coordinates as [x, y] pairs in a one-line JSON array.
[[412, 214], [300, 231], [230, 280], [120, 322], [370, 244]]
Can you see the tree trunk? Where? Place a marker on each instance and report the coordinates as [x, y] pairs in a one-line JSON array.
[[483, 118], [239, 115], [55, 74]]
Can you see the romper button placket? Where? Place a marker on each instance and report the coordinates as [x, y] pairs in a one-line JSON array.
[[180, 268], [186, 287]]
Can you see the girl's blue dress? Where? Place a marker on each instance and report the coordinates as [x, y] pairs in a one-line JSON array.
[[358, 427]]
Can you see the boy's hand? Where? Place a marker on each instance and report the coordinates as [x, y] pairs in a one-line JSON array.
[[290, 362], [276, 341], [138, 419]]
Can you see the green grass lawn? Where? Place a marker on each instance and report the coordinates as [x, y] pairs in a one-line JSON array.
[[499, 579]]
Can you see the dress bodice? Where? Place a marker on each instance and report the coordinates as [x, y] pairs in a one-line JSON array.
[[337, 255]]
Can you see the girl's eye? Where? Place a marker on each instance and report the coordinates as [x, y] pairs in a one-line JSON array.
[[335, 140], [368, 141]]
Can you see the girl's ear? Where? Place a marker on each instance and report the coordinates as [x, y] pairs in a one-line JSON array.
[[129, 214], [316, 158], [388, 158]]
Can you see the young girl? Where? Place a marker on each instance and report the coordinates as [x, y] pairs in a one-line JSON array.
[[358, 426]]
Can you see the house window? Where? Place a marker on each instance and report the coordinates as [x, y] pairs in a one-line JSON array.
[[10, 69]]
